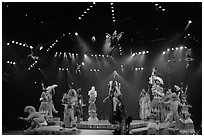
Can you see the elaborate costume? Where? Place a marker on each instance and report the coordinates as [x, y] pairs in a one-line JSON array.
[[92, 106], [37, 120], [69, 101], [144, 105]]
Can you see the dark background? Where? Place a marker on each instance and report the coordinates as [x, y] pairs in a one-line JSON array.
[[145, 27]]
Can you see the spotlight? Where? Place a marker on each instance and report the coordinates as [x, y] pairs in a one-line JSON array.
[[90, 69], [102, 55], [85, 12], [156, 4], [13, 41], [111, 3], [82, 64], [177, 48], [16, 42], [82, 15], [95, 55], [107, 56], [135, 68], [138, 68], [91, 6], [189, 21], [181, 47], [164, 52], [133, 54], [24, 45], [142, 68], [160, 7], [67, 69], [113, 17], [99, 55], [85, 55], [72, 54], [56, 40], [79, 18], [98, 70], [8, 62], [60, 69], [188, 34], [8, 44], [113, 20], [95, 70], [140, 53], [143, 52], [113, 14], [88, 9], [76, 54], [112, 10], [76, 33], [112, 7], [168, 49], [20, 43], [94, 2], [92, 55], [147, 52], [172, 48], [31, 47], [163, 9], [185, 47]]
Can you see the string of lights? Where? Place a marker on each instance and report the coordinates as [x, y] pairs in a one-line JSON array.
[[189, 36], [32, 65], [140, 53], [139, 69], [54, 42], [86, 11], [172, 49], [11, 62], [158, 7], [113, 12], [13, 42]]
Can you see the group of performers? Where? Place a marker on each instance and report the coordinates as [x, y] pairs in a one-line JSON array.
[[158, 105], [164, 105]]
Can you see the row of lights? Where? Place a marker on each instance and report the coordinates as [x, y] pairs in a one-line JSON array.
[[138, 69], [20, 44], [86, 11], [120, 51], [63, 69], [98, 55], [65, 54], [191, 37], [54, 42], [122, 68], [10, 62], [140, 53], [94, 70], [172, 49], [31, 66], [158, 7], [112, 11]]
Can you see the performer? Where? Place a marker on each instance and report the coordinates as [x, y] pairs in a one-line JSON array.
[[78, 111], [44, 108], [92, 106], [144, 105], [37, 120], [50, 91], [114, 39], [69, 100], [174, 103]]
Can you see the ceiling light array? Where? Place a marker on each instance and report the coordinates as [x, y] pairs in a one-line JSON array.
[[86, 11], [59, 54], [19, 44], [191, 37], [172, 49], [113, 12], [159, 7], [139, 69], [120, 51], [122, 68], [94, 70], [60, 69], [100, 55], [140, 53], [11, 62], [31, 66]]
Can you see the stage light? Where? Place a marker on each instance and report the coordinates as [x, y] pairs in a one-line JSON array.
[[31, 47], [20, 43], [112, 7], [72, 54], [67, 69], [85, 55], [13, 41], [76, 33], [79, 18], [8, 44], [16, 42], [189, 21], [168, 49], [142, 68], [63, 34], [135, 68], [102, 55], [98, 70], [90, 69], [113, 17], [88, 9], [156, 4], [172, 48], [113, 14], [85, 12], [185, 47], [181, 47], [36, 61], [160, 7], [95, 55], [188, 34], [8, 62], [111, 3], [95, 70], [92, 55], [112, 10], [136, 53], [164, 52], [94, 2], [140, 53], [82, 15], [82, 64], [76, 54], [138, 68], [99, 55], [91, 6], [56, 40], [147, 52], [177, 48], [133, 54], [143, 52], [163, 9], [107, 56]]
